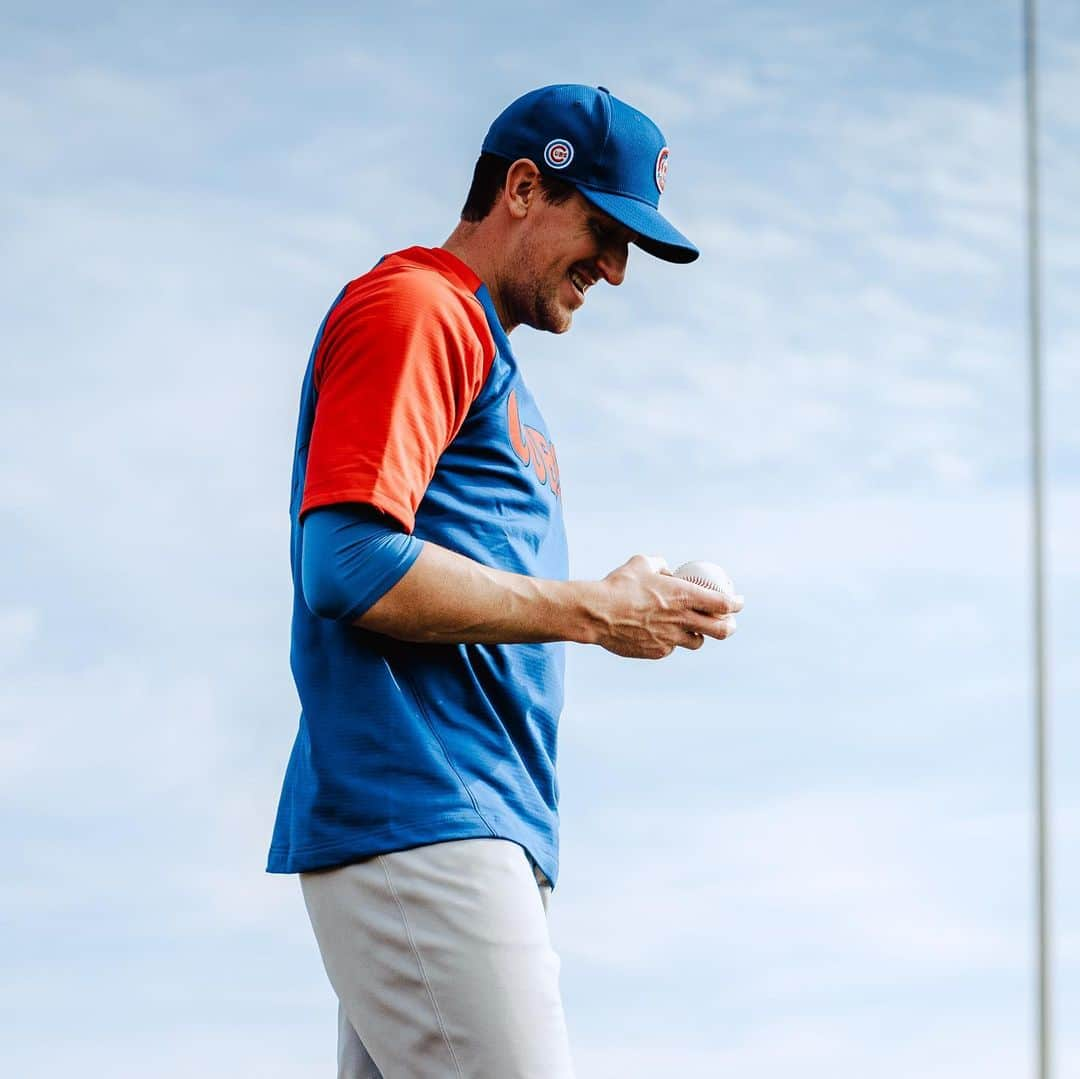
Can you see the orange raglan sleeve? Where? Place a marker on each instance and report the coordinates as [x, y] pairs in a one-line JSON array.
[[403, 356]]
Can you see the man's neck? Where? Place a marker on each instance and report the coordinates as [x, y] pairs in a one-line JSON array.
[[470, 243]]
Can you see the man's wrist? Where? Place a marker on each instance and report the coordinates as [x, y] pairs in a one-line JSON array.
[[575, 606]]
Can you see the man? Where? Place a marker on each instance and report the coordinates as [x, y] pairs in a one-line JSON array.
[[431, 603]]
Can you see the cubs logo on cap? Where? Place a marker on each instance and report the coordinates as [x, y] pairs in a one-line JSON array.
[[661, 169], [612, 153], [558, 153]]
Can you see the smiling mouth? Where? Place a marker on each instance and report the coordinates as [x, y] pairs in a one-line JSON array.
[[579, 281]]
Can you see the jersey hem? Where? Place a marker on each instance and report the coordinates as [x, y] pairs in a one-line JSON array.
[[448, 826]]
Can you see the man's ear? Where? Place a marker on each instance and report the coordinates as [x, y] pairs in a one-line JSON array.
[[522, 187]]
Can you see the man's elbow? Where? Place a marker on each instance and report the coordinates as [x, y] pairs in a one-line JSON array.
[[325, 597]]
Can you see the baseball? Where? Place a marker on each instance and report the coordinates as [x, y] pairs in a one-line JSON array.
[[707, 574]]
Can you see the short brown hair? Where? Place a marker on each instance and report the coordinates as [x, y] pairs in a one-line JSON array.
[[489, 178]]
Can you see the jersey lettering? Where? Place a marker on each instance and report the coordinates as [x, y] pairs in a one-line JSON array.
[[532, 447]]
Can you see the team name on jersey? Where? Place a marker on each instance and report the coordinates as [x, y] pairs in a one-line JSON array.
[[532, 447]]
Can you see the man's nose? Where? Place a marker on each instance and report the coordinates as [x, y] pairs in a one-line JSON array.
[[612, 263]]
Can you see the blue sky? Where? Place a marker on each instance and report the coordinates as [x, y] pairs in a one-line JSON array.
[[807, 847]]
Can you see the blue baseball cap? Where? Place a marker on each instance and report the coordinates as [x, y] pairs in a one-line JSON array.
[[614, 155]]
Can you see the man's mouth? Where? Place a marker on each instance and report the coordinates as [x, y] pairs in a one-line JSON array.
[[580, 282]]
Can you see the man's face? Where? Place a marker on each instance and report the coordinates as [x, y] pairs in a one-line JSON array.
[[563, 251]]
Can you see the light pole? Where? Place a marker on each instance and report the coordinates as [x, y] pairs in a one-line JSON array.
[[1042, 839]]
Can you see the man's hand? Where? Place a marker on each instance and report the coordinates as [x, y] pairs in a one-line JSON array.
[[643, 612]]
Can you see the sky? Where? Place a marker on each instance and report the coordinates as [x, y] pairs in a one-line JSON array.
[[807, 847]]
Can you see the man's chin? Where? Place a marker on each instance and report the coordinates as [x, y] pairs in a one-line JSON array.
[[553, 321]]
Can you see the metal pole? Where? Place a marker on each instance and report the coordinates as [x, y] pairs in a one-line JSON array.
[[1042, 842]]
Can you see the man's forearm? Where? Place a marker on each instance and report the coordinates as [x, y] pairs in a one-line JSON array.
[[446, 598]]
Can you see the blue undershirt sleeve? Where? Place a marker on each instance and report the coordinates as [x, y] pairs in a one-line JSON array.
[[352, 556]]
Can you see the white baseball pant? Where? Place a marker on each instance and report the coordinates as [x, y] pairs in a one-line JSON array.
[[442, 963]]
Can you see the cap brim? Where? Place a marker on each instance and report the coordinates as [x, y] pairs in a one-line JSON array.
[[655, 233]]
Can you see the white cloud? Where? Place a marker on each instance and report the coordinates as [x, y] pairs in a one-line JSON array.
[[894, 887], [821, 1048], [19, 626]]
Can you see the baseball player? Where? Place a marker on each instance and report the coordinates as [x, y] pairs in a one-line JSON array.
[[431, 603]]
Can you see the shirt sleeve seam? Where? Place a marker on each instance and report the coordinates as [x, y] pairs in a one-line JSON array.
[[401, 511]]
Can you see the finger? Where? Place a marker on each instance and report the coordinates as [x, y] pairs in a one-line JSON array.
[[709, 601], [718, 628], [692, 640], [657, 563]]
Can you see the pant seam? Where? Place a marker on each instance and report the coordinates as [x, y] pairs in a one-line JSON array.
[[420, 964]]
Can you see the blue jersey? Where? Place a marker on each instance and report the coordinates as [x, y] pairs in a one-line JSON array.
[[413, 403]]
